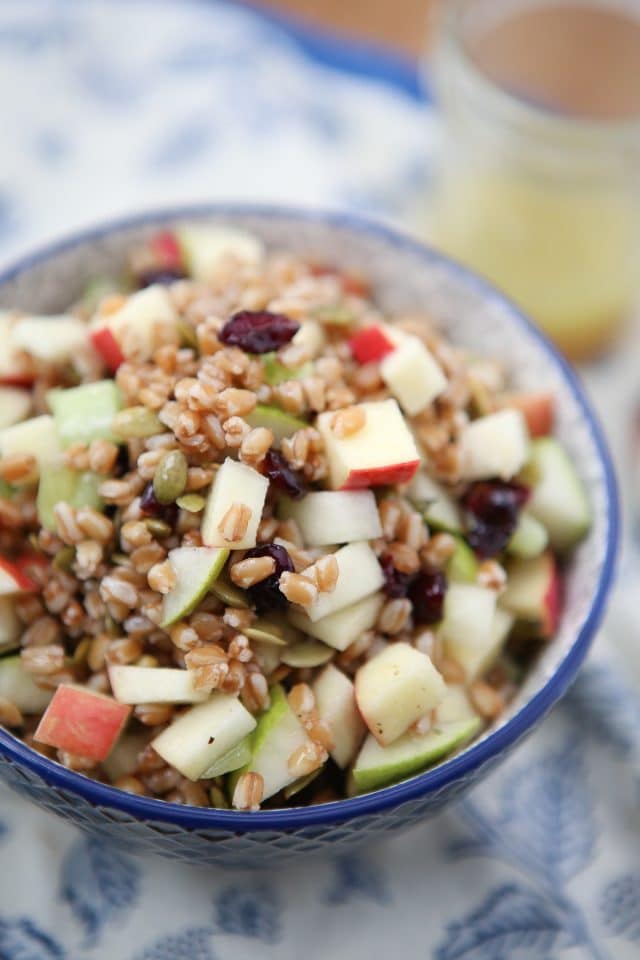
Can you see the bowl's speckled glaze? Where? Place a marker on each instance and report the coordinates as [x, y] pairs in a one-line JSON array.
[[406, 275]]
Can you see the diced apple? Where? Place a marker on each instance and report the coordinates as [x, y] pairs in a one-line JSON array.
[[412, 375], [16, 368], [38, 437], [108, 347], [18, 686], [15, 405], [530, 538], [275, 372], [329, 517], [538, 409], [462, 565], [59, 484], [205, 246], [373, 343], [479, 651], [378, 766], [51, 339], [123, 758], [455, 707], [235, 485], [359, 574], [312, 337], [81, 721], [337, 708], [85, 413], [395, 688], [200, 737], [438, 507], [558, 498], [146, 321], [278, 735], [131, 684], [280, 423], [534, 593], [238, 756], [467, 623], [382, 452], [165, 247], [13, 579], [10, 625], [494, 446], [340, 629], [195, 568]]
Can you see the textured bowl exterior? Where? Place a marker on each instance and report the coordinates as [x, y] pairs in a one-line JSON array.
[[407, 276]]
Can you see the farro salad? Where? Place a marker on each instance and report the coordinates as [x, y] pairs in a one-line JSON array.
[[261, 544]]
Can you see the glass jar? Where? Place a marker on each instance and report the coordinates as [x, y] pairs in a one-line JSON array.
[[539, 179]]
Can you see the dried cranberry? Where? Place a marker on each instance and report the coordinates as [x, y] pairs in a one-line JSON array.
[[396, 584], [494, 507], [150, 506], [162, 275], [427, 596], [258, 331], [283, 476], [266, 594]]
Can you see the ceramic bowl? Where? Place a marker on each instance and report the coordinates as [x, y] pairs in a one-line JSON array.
[[406, 275]]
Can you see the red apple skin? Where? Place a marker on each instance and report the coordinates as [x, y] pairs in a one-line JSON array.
[[538, 409], [30, 563], [82, 722], [23, 583], [17, 380], [166, 249], [381, 476], [370, 345], [552, 602], [108, 348]]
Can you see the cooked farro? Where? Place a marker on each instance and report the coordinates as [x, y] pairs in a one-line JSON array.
[[279, 365]]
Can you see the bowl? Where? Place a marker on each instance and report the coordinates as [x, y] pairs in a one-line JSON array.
[[406, 275]]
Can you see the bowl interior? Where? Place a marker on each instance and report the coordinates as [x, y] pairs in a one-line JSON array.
[[406, 277]]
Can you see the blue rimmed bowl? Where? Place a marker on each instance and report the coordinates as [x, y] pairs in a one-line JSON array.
[[406, 276]]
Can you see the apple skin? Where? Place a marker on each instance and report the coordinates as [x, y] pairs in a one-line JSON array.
[[21, 582], [371, 344], [29, 562], [17, 380], [108, 347], [82, 722], [381, 476], [552, 603], [537, 408], [534, 592], [166, 248]]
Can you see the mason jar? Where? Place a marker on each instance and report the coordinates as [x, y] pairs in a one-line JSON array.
[[538, 185]]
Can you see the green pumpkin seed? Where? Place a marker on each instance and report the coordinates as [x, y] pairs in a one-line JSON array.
[[158, 528], [170, 477], [335, 314], [136, 422], [81, 651], [187, 335], [225, 591], [265, 632], [309, 653], [64, 558], [121, 560], [191, 502]]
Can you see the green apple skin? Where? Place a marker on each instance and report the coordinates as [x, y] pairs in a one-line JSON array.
[[238, 756], [193, 580], [378, 766], [462, 566], [530, 538], [558, 498], [281, 424], [60, 484], [85, 413]]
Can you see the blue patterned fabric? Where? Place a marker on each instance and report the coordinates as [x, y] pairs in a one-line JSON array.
[[542, 860]]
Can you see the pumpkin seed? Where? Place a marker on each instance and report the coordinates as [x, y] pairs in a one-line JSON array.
[[267, 656], [191, 502], [121, 560], [265, 632], [81, 651], [158, 528], [170, 477], [136, 422], [64, 558], [298, 785], [228, 593], [309, 653], [335, 314], [187, 334]]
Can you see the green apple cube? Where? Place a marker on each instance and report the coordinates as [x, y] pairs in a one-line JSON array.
[[15, 405], [378, 766], [281, 424], [132, 684], [205, 246], [59, 484], [530, 538], [311, 336], [455, 707], [496, 445], [468, 617], [38, 437], [359, 574], [124, 756], [238, 756], [340, 629], [235, 484], [477, 652], [196, 568], [11, 627], [85, 413], [394, 689], [18, 686], [533, 592], [438, 507], [337, 708], [462, 565], [200, 737], [275, 372], [558, 498], [146, 320], [279, 734], [412, 375], [334, 516], [52, 339]]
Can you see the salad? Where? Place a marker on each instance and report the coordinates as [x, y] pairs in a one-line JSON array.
[[261, 544]]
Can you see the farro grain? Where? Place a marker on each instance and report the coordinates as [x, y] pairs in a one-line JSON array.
[[347, 422], [394, 616], [438, 550], [10, 715], [492, 575], [162, 577], [238, 618], [298, 589], [249, 791], [153, 714], [146, 557], [74, 761], [124, 650], [248, 572], [42, 633], [305, 759], [255, 445], [486, 700], [119, 590], [46, 659], [162, 780], [405, 558], [131, 784], [233, 525], [19, 468], [451, 670]]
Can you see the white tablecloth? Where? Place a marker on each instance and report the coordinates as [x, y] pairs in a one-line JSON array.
[[109, 107]]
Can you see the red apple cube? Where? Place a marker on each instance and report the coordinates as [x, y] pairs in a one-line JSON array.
[[372, 344], [538, 409], [382, 452], [13, 579], [83, 722], [108, 347], [534, 592], [166, 248]]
